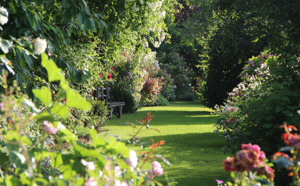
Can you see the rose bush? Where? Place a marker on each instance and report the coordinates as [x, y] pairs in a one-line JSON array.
[[268, 94], [33, 143]]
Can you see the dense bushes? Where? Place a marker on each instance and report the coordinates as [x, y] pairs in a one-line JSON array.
[[267, 97], [121, 94]]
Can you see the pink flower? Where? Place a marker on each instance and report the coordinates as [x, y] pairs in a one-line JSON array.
[[109, 76], [251, 63], [219, 181], [100, 74], [91, 182], [49, 127], [2, 105], [111, 68], [157, 169], [232, 109]]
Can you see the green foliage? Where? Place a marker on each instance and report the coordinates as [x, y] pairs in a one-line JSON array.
[[95, 118], [56, 22], [34, 157], [244, 29], [161, 101], [267, 95], [124, 95]]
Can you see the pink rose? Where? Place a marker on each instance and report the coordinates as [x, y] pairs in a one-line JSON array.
[[157, 169]]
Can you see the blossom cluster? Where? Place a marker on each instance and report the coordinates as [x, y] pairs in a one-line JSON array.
[[3, 16], [250, 158]]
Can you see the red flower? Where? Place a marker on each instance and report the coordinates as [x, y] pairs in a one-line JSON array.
[[100, 74], [112, 68], [109, 76]]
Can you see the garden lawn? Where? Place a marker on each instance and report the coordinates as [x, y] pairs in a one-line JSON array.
[[194, 150]]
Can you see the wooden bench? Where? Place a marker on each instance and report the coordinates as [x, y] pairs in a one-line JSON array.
[[115, 108]]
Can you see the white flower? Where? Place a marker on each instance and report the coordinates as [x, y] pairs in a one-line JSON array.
[[153, 6], [135, 8], [3, 15], [40, 46], [89, 165], [132, 160]]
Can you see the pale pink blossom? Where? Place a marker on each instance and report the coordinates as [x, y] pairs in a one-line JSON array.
[[91, 182], [90, 165], [132, 160], [2, 106], [157, 169], [49, 127]]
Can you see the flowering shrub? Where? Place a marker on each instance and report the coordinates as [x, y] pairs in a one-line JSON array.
[[151, 90], [266, 95], [37, 157], [288, 157], [249, 167]]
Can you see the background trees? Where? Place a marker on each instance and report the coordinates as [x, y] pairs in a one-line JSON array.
[[243, 29]]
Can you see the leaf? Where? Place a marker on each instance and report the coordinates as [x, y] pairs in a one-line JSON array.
[[44, 95], [116, 147], [54, 73], [19, 79], [286, 149], [60, 109], [97, 141], [31, 19], [7, 64], [12, 181], [45, 116], [282, 162], [155, 129], [31, 105], [5, 45], [80, 20], [166, 161], [74, 99], [19, 155]]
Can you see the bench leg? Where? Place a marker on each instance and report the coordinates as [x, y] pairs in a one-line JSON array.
[[120, 111], [111, 112]]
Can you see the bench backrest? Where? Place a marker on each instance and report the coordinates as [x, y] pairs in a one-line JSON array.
[[102, 93]]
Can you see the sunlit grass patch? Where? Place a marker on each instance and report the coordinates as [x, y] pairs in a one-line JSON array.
[[194, 150]]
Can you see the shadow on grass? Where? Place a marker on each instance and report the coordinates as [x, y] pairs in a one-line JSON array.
[[195, 157], [169, 118]]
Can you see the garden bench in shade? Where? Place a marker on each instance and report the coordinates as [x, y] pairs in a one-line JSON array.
[[115, 108]]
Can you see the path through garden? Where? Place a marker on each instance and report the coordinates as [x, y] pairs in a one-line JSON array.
[[192, 147]]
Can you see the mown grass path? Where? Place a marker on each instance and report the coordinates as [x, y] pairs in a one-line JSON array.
[[192, 147]]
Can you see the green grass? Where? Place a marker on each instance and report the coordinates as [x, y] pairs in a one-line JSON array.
[[195, 152]]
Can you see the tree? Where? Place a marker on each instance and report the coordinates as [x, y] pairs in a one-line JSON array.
[[244, 29]]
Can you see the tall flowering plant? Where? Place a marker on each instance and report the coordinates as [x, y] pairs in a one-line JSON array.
[[249, 167], [266, 95]]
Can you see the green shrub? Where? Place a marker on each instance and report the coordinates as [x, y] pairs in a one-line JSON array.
[[161, 101], [118, 93], [267, 97], [93, 119]]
